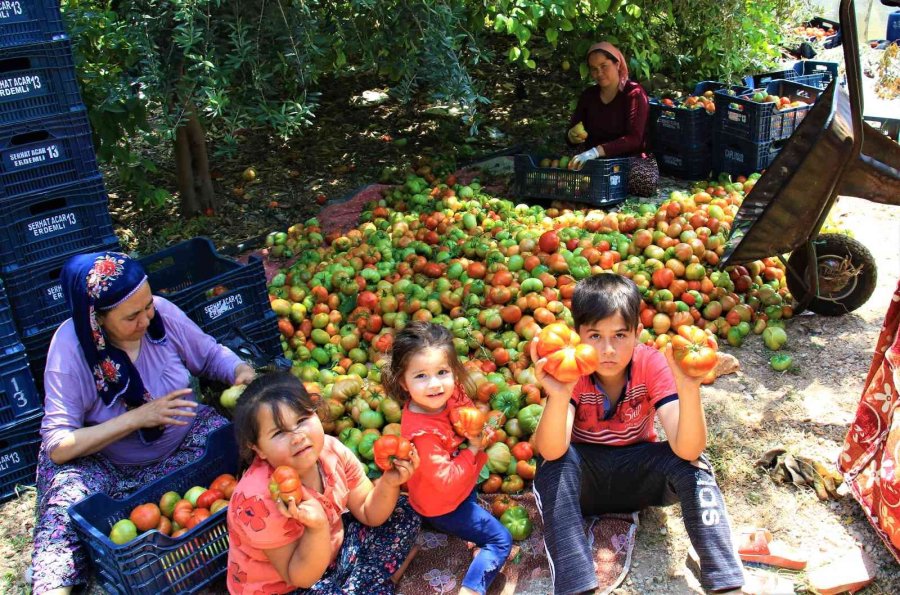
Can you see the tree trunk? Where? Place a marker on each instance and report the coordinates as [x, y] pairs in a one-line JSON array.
[[192, 168]]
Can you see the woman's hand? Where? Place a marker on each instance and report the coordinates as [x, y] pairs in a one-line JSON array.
[[165, 411], [553, 387], [577, 134], [308, 513], [244, 374], [402, 470], [579, 160]]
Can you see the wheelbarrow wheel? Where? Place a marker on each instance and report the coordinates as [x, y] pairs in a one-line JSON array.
[[846, 272]]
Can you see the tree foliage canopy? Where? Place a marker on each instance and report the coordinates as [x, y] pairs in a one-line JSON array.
[[243, 64]]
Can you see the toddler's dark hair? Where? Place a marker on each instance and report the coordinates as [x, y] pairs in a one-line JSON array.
[[269, 390], [605, 295], [415, 337]]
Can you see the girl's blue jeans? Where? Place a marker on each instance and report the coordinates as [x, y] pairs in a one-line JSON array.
[[473, 523]]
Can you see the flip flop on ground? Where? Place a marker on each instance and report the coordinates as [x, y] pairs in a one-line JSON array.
[[757, 545], [850, 573]]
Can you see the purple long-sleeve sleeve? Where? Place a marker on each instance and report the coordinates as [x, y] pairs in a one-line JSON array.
[[71, 400], [619, 126]]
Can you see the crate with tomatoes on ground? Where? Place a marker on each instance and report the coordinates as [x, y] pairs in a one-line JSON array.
[[168, 537]]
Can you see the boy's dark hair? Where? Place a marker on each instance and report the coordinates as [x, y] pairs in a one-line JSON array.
[[605, 295], [268, 390], [415, 337]]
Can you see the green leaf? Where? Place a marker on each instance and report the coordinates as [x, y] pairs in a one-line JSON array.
[[530, 64], [552, 35], [566, 25], [514, 53]]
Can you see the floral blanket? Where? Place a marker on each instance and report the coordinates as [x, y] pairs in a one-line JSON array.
[[871, 453], [442, 560]]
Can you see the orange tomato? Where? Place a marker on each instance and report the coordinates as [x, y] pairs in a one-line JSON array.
[[224, 483], [285, 484], [145, 517], [695, 351], [570, 363]]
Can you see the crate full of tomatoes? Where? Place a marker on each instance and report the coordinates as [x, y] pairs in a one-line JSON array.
[[168, 537]]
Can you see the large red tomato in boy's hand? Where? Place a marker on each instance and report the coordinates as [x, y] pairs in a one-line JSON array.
[[695, 351], [285, 484], [554, 337], [571, 363]]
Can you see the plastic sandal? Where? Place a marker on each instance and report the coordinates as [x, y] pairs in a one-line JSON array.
[[758, 546]]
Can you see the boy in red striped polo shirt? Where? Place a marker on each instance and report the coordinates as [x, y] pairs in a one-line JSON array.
[[599, 449]]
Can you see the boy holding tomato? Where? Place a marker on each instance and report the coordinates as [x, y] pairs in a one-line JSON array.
[[598, 446]]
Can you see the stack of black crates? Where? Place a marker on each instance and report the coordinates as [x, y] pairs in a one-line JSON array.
[[748, 134], [682, 137], [52, 205]]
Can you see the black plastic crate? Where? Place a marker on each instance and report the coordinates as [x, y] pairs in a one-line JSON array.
[[36, 347], [41, 154], [686, 162], [265, 335], [669, 123], [216, 292], [61, 221], [19, 399], [815, 73], [756, 81], [743, 118], [9, 337], [36, 295], [29, 21], [831, 41], [601, 182], [19, 448], [37, 81], [737, 156], [154, 563]]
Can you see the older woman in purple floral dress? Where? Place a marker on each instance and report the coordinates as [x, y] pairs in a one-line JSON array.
[[119, 412]]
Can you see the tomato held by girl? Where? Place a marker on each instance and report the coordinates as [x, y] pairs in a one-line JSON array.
[[425, 374], [345, 535]]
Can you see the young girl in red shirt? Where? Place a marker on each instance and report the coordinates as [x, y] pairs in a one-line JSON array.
[[346, 536], [425, 374]]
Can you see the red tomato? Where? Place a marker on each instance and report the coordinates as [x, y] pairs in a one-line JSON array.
[[522, 451], [570, 363], [526, 469], [663, 277], [500, 504], [467, 421], [285, 484], [182, 512], [554, 337], [387, 448], [208, 497], [198, 515], [492, 484], [224, 483], [145, 517], [549, 242], [695, 351]]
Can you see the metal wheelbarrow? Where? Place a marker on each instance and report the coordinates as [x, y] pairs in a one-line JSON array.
[[833, 152]]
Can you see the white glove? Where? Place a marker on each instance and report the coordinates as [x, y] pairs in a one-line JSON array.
[[580, 159]]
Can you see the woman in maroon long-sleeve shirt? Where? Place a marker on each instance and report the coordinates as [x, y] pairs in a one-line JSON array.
[[614, 111]]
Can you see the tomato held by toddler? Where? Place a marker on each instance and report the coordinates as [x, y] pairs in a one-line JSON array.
[[285, 484]]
